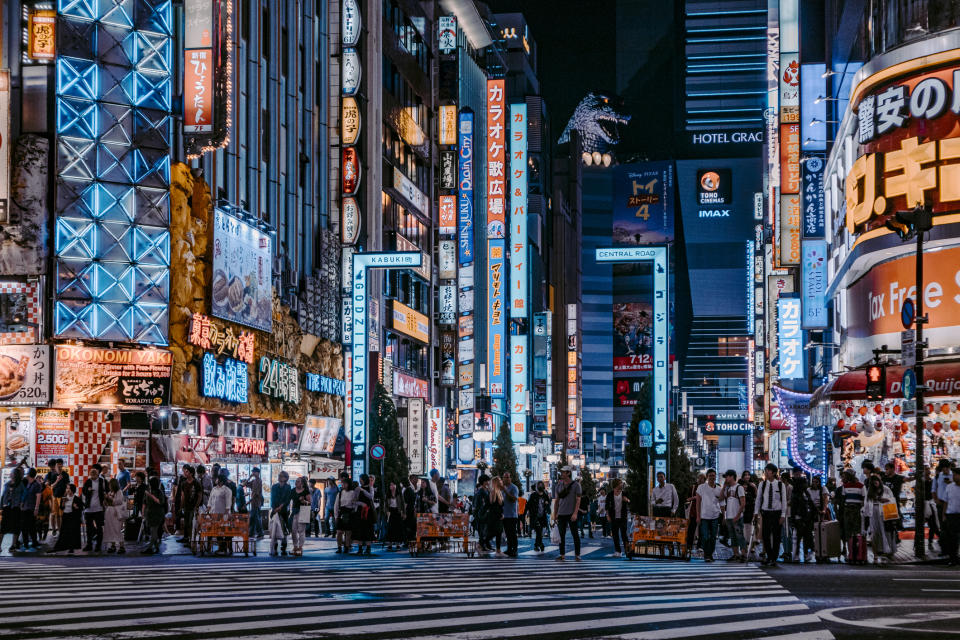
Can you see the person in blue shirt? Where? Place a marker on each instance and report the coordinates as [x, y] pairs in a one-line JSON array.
[[329, 500], [123, 476], [316, 500], [511, 495]]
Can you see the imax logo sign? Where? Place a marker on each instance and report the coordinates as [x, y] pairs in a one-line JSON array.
[[715, 213]]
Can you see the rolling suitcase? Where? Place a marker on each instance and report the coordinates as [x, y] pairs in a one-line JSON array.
[[857, 553], [826, 540], [131, 530]]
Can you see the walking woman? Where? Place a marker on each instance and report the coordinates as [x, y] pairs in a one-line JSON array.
[[803, 514], [301, 514], [366, 516], [495, 513], [882, 533], [10, 501], [395, 514], [538, 507], [154, 513], [114, 517], [71, 510], [343, 511], [409, 507]]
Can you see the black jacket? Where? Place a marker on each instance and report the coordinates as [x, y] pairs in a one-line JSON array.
[[101, 491], [624, 507], [533, 506]]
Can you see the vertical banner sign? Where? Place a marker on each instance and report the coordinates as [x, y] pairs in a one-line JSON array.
[[198, 90], [540, 370], [436, 439], [358, 382], [448, 215], [519, 295], [661, 303], [518, 211], [790, 221], [448, 124], [751, 326], [465, 189], [519, 355], [447, 33], [814, 210], [790, 338], [496, 290], [4, 146], [42, 41], [814, 284], [198, 24], [415, 447], [573, 434], [496, 152]]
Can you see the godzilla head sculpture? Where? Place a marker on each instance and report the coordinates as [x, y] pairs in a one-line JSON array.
[[598, 119]]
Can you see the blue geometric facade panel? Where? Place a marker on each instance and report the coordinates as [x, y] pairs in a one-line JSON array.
[[155, 16], [76, 238], [116, 123], [118, 13], [152, 128], [76, 158], [77, 118], [114, 127]]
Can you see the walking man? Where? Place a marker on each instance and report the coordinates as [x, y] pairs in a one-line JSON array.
[[772, 498], [255, 484], [665, 498], [734, 501], [708, 514], [566, 505], [617, 506], [94, 497], [280, 496], [511, 497]]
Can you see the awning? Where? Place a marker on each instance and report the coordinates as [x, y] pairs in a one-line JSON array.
[[942, 379]]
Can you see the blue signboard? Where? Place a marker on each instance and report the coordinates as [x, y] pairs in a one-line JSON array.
[[814, 210], [465, 189], [226, 380], [790, 338], [814, 284]]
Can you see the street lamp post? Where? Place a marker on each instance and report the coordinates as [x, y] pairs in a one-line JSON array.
[[909, 224]]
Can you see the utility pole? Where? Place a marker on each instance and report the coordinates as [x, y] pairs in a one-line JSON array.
[[909, 224]]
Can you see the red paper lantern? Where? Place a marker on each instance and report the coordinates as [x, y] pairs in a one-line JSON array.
[[878, 409], [849, 411], [863, 411], [938, 426], [944, 408], [954, 425], [929, 408], [853, 428], [896, 409], [904, 427], [840, 423]]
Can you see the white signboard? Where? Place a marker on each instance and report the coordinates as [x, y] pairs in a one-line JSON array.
[[24, 375], [436, 444], [242, 289], [319, 434], [448, 304], [447, 259], [350, 23], [350, 71], [415, 448]]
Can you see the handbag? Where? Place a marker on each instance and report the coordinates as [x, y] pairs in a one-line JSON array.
[[554, 534], [303, 516], [890, 511]]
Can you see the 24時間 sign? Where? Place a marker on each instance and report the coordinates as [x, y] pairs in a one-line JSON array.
[[279, 380]]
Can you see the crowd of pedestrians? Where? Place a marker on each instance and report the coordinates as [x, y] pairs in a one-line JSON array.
[[781, 516]]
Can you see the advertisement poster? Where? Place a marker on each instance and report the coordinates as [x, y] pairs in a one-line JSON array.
[[54, 430], [415, 449], [465, 189], [448, 357], [242, 290], [24, 374], [643, 207], [18, 436], [319, 434], [95, 376], [627, 392], [436, 445], [633, 336]]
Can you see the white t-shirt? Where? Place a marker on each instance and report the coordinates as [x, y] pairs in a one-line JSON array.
[[709, 501], [951, 495], [731, 498]]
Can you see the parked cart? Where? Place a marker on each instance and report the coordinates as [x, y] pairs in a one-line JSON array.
[[659, 538], [443, 532], [209, 528]]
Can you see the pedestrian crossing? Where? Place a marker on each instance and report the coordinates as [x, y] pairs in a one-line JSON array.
[[393, 596]]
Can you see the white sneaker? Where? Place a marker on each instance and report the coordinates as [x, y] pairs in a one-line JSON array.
[[617, 554], [501, 554], [811, 557]]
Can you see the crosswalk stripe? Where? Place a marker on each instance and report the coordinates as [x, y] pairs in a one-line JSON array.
[[398, 596]]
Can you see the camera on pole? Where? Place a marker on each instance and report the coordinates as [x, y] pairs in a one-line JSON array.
[[876, 382]]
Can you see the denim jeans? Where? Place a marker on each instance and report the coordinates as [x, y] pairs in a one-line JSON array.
[[256, 522], [708, 536]]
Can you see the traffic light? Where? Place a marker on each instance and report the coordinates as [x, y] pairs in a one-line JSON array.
[[876, 382], [908, 224]]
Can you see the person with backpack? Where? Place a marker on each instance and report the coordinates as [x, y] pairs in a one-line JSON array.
[[772, 499], [803, 514], [538, 506], [734, 501], [495, 513], [566, 507], [154, 513]]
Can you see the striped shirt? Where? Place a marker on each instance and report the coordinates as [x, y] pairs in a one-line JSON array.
[[853, 493]]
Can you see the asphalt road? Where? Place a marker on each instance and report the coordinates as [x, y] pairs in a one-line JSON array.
[[903, 601]]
